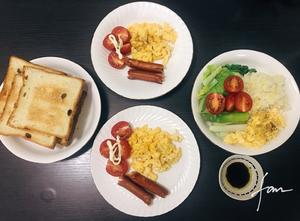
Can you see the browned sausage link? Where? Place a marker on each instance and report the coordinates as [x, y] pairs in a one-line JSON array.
[[147, 72], [148, 184], [139, 75], [142, 65], [135, 189], [154, 79]]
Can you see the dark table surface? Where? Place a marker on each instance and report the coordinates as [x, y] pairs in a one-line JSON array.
[[33, 28]]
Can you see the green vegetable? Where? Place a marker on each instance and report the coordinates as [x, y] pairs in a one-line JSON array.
[[227, 128], [221, 134], [219, 87], [213, 80], [215, 86], [209, 69], [206, 88], [212, 76], [202, 105], [242, 69], [226, 117]]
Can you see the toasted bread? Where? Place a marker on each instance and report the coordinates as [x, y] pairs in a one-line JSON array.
[[66, 141], [47, 103], [15, 66], [37, 137]]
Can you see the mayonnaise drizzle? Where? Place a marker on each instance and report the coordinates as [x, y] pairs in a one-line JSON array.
[[118, 44], [113, 149]]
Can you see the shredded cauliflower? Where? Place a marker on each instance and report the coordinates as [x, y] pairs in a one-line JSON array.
[[267, 91]]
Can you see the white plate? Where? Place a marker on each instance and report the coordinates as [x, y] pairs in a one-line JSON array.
[[180, 179], [176, 68], [263, 63], [86, 125]]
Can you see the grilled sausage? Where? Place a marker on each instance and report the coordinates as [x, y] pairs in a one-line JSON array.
[[145, 76], [148, 184], [142, 65], [135, 189]]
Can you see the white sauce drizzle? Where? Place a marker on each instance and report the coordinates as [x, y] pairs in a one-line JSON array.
[[117, 44], [113, 149]]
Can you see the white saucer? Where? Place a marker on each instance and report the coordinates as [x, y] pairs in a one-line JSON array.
[[253, 186]]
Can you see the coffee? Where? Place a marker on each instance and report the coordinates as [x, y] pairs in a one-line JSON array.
[[237, 174]]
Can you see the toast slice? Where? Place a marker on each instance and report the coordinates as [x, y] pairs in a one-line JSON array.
[[15, 66], [36, 137], [47, 103]]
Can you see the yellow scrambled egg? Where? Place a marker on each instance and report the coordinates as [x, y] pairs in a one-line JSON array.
[[153, 150], [151, 42], [261, 128]]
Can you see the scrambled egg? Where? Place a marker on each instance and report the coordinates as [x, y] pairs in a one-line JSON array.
[[153, 150], [151, 42], [261, 128]]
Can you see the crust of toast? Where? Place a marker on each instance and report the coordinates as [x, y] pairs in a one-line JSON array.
[[7, 84], [66, 141]]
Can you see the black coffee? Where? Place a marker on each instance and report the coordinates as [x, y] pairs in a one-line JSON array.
[[237, 174]]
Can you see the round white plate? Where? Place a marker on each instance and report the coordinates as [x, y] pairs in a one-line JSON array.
[[263, 63], [85, 127], [180, 179], [176, 68]]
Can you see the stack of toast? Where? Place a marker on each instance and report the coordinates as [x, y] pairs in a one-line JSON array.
[[39, 104]]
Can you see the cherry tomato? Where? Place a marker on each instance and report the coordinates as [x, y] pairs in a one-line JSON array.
[[215, 103], [121, 129], [229, 102], [117, 170], [115, 61], [104, 150], [233, 84], [126, 149], [108, 44], [243, 102], [121, 32], [126, 49]]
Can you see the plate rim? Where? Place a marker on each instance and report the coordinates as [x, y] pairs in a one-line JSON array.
[[197, 160], [196, 87], [93, 58], [75, 148]]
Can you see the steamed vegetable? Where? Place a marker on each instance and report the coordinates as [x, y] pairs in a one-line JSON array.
[[209, 69], [227, 128], [211, 76], [219, 87], [225, 117], [242, 69], [205, 89], [215, 85], [213, 88]]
